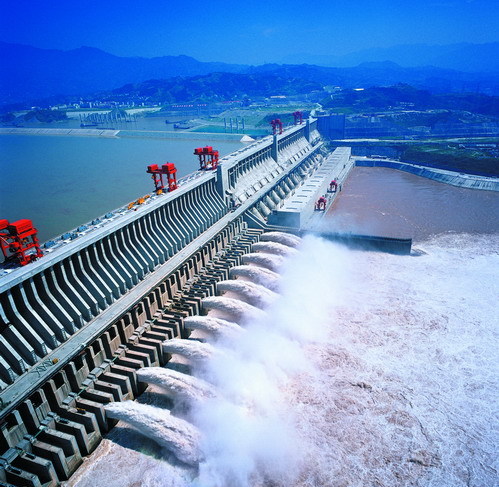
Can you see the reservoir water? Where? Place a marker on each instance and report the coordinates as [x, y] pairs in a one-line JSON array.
[[61, 182], [370, 369]]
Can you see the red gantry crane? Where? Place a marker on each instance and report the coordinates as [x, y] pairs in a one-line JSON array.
[[157, 172], [208, 158], [276, 126], [298, 118], [321, 203], [19, 242]]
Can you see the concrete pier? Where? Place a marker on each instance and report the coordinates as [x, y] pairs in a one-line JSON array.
[[298, 211]]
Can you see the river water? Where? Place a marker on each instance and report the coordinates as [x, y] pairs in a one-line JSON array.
[[371, 369], [61, 182], [392, 203]]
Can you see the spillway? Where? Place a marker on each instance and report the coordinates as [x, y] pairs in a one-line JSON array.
[[177, 384], [269, 261], [273, 248], [254, 294], [282, 238], [215, 326], [192, 350], [175, 434], [259, 275], [232, 308]]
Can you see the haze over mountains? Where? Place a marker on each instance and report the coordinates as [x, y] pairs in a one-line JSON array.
[[30, 74], [461, 57]]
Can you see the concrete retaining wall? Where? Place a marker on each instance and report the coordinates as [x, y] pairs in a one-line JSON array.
[[449, 177]]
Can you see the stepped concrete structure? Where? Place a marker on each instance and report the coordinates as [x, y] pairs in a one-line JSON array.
[[77, 324]]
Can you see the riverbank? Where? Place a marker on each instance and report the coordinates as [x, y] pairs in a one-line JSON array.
[[64, 131], [155, 134]]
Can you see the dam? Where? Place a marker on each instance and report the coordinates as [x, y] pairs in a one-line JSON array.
[[87, 326], [77, 324]]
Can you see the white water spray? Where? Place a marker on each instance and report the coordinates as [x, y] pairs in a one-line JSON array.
[[232, 308], [273, 248], [254, 294], [214, 326], [193, 350], [177, 435], [258, 275], [257, 444], [282, 238], [177, 384], [268, 261]]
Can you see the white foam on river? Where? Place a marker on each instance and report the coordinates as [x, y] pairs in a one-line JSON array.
[[371, 369]]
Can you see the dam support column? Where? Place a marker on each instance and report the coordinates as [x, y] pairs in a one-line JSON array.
[[307, 130], [275, 148], [222, 184]]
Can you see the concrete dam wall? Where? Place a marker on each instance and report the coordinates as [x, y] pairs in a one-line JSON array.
[[453, 178], [76, 325]]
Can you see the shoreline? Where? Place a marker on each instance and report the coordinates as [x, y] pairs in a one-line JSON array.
[[154, 134]]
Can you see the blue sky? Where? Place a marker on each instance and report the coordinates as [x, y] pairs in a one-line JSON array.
[[247, 32]]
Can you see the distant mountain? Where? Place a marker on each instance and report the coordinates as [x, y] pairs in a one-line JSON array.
[[28, 73], [461, 57], [382, 98], [389, 73], [216, 87], [267, 80]]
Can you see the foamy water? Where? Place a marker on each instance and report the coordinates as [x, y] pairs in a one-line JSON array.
[[258, 275], [404, 392], [216, 327], [372, 369], [254, 294], [268, 261], [177, 435]]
